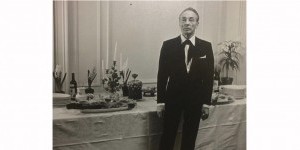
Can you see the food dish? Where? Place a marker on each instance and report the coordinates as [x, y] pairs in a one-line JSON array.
[[219, 99], [149, 91], [98, 106], [103, 110]]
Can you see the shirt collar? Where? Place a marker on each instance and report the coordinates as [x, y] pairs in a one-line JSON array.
[[192, 39]]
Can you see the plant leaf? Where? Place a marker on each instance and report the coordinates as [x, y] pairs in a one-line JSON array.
[[223, 52], [222, 61]]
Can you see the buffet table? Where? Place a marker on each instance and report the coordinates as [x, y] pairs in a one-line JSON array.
[[140, 128]]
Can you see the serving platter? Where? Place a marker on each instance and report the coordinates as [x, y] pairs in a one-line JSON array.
[[221, 99], [225, 102], [103, 110]]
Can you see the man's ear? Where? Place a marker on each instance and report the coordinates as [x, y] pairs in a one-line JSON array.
[[197, 24]]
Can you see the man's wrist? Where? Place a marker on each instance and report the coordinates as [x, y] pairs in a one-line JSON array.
[[205, 105]]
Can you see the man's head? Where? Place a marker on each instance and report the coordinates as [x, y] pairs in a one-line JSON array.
[[188, 22]]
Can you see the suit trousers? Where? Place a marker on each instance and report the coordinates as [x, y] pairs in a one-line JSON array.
[[191, 118]]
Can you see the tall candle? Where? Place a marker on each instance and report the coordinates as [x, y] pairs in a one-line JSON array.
[[102, 68], [121, 67], [115, 54], [107, 58], [125, 64]]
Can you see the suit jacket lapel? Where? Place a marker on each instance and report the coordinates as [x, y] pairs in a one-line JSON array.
[[199, 47], [197, 51], [179, 49], [180, 54]]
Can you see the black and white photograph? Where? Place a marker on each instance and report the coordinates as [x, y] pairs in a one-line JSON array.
[[149, 75]]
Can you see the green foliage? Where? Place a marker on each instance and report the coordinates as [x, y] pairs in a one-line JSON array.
[[112, 80], [230, 59]]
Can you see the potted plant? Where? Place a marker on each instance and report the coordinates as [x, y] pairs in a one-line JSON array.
[[91, 77], [229, 59], [59, 81], [125, 77]]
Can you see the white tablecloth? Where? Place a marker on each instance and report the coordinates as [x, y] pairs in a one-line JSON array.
[[140, 129]]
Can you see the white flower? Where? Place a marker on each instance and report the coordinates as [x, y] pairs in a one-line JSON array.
[[226, 48], [94, 70], [57, 71], [57, 68], [124, 66]]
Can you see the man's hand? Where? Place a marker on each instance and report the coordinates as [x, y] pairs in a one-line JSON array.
[[205, 112], [160, 109]]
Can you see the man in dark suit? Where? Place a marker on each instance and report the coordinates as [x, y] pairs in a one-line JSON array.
[[184, 82]]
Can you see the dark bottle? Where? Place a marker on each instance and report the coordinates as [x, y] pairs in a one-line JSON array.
[[73, 87], [216, 81]]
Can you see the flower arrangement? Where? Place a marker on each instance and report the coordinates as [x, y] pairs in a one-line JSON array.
[[125, 76], [112, 79], [230, 59], [57, 75], [91, 77]]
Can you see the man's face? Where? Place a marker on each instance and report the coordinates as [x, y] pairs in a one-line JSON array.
[[188, 23]]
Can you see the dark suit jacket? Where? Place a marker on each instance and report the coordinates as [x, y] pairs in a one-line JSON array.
[[174, 84]]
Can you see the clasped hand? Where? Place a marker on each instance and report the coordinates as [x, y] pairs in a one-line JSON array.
[[205, 112]]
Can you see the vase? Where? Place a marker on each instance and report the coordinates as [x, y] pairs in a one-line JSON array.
[[58, 88], [89, 89], [125, 90], [135, 89], [226, 80]]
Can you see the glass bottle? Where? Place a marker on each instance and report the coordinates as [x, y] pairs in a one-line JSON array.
[[216, 81], [73, 87]]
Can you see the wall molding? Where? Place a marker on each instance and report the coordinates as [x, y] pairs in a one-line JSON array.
[[66, 47], [98, 64]]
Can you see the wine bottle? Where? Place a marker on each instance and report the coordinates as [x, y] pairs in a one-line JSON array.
[[216, 81], [73, 87]]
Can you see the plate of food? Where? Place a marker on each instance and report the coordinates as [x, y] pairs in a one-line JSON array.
[[101, 106], [219, 99], [149, 91], [103, 110]]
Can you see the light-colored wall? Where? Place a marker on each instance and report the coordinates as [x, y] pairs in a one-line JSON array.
[[140, 28], [235, 29], [61, 49]]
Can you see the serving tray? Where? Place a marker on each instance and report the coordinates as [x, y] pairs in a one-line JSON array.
[[104, 110]]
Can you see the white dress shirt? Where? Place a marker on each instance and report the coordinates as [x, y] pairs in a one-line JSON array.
[[186, 50]]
